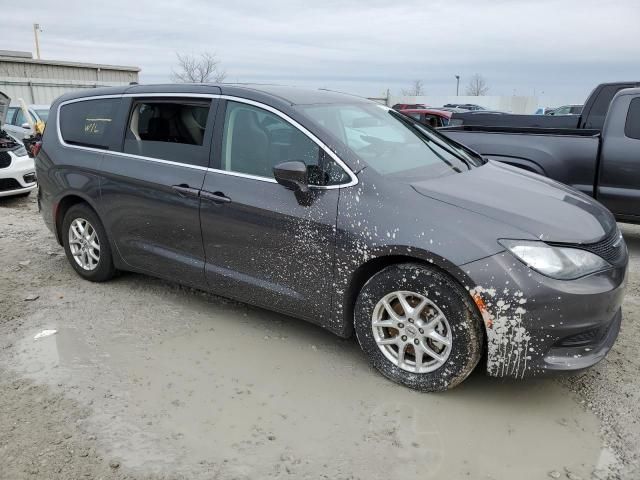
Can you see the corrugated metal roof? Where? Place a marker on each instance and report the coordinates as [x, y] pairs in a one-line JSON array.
[[41, 81], [62, 63], [15, 53]]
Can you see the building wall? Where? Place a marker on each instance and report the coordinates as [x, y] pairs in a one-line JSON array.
[[41, 81], [511, 104]]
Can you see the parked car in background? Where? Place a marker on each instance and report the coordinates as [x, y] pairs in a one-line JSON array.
[[407, 106], [567, 110], [602, 164], [18, 125], [17, 170], [339, 211], [484, 112], [544, 110], [431, 117], [451, 109], [465, 106], [592, 116]]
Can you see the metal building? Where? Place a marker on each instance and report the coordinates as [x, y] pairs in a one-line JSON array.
[[41, 81]]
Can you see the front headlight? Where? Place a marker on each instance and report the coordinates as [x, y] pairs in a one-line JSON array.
[[563, 263]]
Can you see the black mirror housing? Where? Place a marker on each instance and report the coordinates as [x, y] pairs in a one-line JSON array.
[[292, 175]]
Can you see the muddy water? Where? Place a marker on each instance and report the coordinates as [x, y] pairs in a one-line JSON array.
[[188, 383]]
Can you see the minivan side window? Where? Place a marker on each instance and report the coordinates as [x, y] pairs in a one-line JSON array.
[[10, 113], [88, 123], [255, 140], [632, 125], [168, 129]]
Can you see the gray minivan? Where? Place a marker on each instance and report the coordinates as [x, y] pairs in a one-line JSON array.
[[339, 211]]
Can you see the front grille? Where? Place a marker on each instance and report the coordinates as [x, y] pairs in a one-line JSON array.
[[593, 336], [583, 338], [5, 159], [7, 184], [612, 248]]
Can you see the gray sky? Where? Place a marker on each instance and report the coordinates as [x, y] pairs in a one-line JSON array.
[[562, 48]]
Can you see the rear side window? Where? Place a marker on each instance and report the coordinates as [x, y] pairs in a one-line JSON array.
[[632, 126], [600, 106], [169, 129], [10, 113], [432, 120], [88, 123]]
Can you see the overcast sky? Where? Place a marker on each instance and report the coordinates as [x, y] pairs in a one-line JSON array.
[[562, 48]]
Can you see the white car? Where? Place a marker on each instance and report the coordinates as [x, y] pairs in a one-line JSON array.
[[17, 125], [17, 170]]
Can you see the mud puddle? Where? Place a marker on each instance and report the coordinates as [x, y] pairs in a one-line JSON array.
[[186, 384]]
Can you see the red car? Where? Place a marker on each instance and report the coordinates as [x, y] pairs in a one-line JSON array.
[[429, 116], [407, 106]]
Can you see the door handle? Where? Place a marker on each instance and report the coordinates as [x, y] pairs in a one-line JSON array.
[[185, 190], [217, 197]]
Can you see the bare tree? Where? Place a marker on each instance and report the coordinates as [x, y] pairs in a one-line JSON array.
[[203, 68], [477, 86], [416, 89]]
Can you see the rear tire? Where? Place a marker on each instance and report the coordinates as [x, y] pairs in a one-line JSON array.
[[418, 327], [86, 244]]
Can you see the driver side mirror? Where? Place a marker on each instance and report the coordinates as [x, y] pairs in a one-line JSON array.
[[292, 175], [25, 125]]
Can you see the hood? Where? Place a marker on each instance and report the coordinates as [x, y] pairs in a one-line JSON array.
[[544, 208], [4, 107]]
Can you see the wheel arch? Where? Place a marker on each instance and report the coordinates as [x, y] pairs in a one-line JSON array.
[[369, 268], [62, 206]]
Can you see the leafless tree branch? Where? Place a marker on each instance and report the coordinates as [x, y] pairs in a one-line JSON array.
[[416, 89], [203, 68], [477, 86]]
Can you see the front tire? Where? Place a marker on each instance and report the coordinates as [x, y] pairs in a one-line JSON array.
[[418, 327], [86, 244]]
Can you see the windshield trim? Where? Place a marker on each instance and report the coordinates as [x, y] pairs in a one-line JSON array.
[[470, 158]]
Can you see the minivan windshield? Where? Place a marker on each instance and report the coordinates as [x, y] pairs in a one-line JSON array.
[[389, 142]]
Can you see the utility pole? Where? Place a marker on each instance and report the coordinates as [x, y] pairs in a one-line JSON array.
[[36, 29], [457, 85]]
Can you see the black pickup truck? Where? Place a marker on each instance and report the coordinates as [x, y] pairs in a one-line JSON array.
[[604, 164], [592, 117]]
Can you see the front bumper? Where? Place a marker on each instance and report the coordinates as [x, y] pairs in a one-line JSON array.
[[19, 177], [536, 324]]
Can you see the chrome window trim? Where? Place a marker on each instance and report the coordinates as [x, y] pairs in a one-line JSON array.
[[316, 140], [353, 178], [152, 159]]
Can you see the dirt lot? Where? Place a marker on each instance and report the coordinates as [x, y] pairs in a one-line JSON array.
[[147, 380]]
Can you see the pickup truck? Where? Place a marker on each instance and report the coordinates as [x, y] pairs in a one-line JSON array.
[[604, 164], [592, 116]]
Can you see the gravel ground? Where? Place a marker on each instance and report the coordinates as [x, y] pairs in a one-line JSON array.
[[149, 380]]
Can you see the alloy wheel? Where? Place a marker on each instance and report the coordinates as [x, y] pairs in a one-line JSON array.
[[84, 244], [411, 331]]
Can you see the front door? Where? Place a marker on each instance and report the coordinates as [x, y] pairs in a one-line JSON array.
[[263, 243], [150, 191]]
